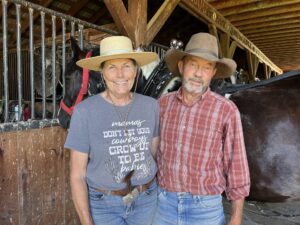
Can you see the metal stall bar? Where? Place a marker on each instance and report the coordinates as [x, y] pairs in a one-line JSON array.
[[73, 28], [31, 37], [63, 21], [53, 65], [5, 63], [80, 35], [18, 107], [43, 63]]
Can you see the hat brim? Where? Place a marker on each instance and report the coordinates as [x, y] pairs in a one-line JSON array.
[[93, 63], [225, 66]]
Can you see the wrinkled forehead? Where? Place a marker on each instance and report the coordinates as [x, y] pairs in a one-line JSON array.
[[118, 62], [198, 60]]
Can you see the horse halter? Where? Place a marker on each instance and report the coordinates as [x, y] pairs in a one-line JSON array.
[[82, 92]]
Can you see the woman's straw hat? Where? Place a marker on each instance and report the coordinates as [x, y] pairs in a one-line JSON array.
[[116, 47], [205, 46]]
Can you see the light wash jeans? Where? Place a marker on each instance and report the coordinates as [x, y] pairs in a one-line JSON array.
[[110, 209], [181, 208]]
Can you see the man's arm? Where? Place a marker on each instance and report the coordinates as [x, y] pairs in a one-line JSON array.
[[236, 212], [79, 190]]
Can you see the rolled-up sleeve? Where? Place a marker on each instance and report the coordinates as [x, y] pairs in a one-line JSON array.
[[235, 159]]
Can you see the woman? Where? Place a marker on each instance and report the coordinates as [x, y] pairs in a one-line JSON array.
[[113, 138]]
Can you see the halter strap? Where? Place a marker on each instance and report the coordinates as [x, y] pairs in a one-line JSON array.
[[83, 90]]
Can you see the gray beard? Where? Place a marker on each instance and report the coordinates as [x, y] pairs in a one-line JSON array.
[[192, 89]]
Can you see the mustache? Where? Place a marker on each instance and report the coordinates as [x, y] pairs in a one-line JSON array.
[[195, 79]]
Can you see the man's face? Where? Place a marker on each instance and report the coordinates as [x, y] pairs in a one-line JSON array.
[[197, 73]]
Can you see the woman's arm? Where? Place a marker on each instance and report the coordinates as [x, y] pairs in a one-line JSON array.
[[154, 146], [78, 166]]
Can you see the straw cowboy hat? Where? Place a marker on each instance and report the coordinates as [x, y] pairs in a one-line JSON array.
[[116, 47], [205, 46]]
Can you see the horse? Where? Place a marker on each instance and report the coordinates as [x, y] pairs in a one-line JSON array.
[[80, 84], [270, 113]]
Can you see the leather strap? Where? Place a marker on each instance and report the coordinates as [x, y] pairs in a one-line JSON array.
[[126, 191]]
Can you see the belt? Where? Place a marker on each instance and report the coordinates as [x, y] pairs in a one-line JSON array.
[[126, 191]]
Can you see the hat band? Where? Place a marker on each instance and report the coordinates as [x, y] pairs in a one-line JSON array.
[[116, 51], [201, 51]]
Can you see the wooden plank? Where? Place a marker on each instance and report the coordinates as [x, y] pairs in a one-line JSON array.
[[201, 9], [265, 12], [264, 30], [9, 211], [223, 4], [35, 178], [263, 24], [271, 33], [256, 7], [159, 18], [267, 19], [275, 38]]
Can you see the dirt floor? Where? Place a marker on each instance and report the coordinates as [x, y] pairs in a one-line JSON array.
[[256, 213]]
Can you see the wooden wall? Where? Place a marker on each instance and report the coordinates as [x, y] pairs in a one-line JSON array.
[[34, 178]]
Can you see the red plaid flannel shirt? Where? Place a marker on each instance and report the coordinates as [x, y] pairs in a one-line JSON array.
[[202, 148]]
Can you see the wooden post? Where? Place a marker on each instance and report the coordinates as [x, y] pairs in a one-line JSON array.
[[133, 23]]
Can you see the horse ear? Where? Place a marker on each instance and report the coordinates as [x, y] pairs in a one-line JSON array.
[[77, 53]]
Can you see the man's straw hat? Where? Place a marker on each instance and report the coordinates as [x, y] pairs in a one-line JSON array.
[[205, 46], [116, 47]]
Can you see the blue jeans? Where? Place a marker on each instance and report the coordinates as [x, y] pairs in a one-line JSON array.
[[110, 209], [181, 208]]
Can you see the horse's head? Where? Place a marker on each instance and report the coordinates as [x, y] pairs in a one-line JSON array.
[[74, 80]]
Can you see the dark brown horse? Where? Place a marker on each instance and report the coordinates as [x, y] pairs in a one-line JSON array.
[[270, 112]]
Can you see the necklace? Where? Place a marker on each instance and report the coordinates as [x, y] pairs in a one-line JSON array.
[[123, 117]]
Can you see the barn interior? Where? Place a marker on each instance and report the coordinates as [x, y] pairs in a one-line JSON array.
[[262, 36]]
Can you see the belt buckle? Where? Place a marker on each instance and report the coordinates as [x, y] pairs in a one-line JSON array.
[[127, 199]]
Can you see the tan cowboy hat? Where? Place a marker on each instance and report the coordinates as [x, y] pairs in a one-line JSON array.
[[116, 47], [205, 46]]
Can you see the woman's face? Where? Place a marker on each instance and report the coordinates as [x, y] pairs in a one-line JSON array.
[[119, 75]]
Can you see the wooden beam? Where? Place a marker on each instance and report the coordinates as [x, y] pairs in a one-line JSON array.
[[267, 19], [263, 24], [267, 71], [269, 38], [121, 17], [271, 28], [222, 4], [295, 41], [137, 10], [214, 31], [255, 7], [201, 9], [262, 13], [228, 48], [252, 62], [160, 17], [293, 29]]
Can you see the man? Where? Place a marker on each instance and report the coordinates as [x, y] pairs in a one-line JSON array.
[[202, 151]]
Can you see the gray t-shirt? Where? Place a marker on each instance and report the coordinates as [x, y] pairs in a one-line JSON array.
[[115, 145]]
